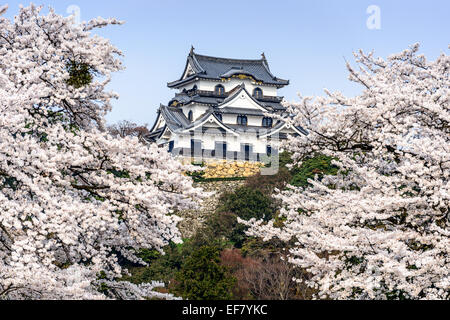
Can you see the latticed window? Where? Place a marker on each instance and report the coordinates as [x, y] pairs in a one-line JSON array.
[[258, 93], [219, 90], [267, 122], [242, 120]]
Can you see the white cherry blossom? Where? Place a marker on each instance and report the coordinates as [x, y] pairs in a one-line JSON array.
[[380, 228], [73, 199]]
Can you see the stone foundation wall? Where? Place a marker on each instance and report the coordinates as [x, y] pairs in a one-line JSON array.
[[194, 219], [228, 169]]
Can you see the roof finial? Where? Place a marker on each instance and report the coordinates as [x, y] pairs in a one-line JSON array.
[[263, 56], [192, 50]]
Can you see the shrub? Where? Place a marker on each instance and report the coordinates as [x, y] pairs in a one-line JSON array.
[[284, 159], [257, 248], [317, 165], [267, 184], [266, 277], [247, 203], [235, 262], [160, 267], [202, 277]]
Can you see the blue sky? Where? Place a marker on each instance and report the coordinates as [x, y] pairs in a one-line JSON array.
[[304, 41]]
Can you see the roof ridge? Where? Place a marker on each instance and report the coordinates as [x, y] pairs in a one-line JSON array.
[[228, 59], [210, 67]]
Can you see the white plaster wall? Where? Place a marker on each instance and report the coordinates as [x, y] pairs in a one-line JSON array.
[[242, 101], [229, 118], [233, 142], [197, 110], [254, 120], [182, 141], [232, 119], [208, 142], [260, 145]]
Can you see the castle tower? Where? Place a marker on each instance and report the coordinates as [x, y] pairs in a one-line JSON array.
[[225, 109]]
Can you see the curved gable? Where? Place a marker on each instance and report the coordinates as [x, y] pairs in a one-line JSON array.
[[242, 100], [283, 125], [210, 117]]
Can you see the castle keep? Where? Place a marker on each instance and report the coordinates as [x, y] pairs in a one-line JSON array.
[[224, 109]]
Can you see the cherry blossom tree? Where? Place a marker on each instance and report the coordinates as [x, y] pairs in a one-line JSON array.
[[74, 199], [380, 228]]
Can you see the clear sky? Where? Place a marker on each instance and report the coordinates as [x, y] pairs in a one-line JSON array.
[[304, 41]]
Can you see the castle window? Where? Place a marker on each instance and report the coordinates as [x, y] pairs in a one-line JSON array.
[[242, 120], [190, 116], [219, 90], [246, 151], [269, 150], [258, 93], [171, 145], [196, 147], [267, 122]]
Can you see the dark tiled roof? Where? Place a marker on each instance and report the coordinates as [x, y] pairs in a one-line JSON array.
[[276, 106], [155, 135], [174, 118], [177, 121], [302, 130], [208, 67], [185, 99]]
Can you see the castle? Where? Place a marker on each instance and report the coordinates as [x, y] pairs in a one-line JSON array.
[[224, 109]]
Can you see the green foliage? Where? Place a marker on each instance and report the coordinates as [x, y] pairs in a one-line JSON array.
[[267, 183], [392, 294], [256, 247], [197, 176], [202, 277], [198, 164], [8, 182], [194, 270], [317, 165], [149, 255], [247, 203], [221, 179], [119, 173], [353, 261], [160, 267], [397, 295], [80, 74], [284, 159], [278, 220], [222, 230]]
